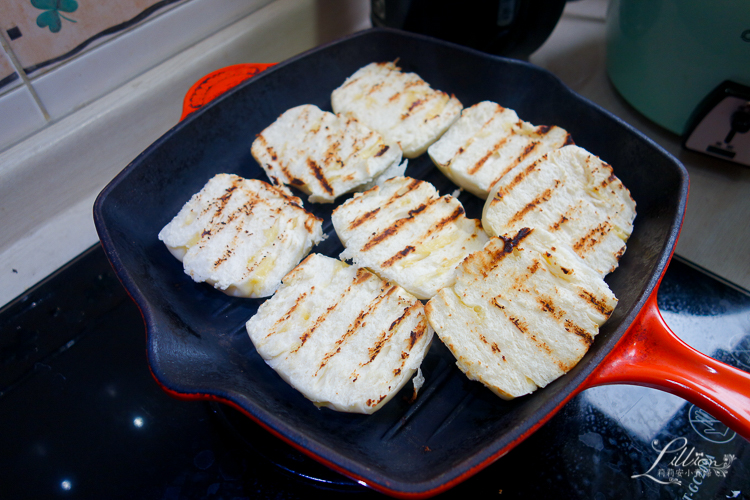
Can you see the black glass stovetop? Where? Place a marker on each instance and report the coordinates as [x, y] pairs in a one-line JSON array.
[[82, 417]]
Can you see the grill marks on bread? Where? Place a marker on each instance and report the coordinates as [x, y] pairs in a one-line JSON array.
[[572, 194], [521, 313], [340, 335], [241, 235], [487, 142], [322, 154], [400, 106], [405, 232]]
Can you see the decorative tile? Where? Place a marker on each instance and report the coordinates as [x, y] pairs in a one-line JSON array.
[[20, 116], [98, 71], [8, 76], [43, 33]]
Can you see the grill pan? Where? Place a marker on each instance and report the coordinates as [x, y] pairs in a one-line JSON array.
[[197, 344]]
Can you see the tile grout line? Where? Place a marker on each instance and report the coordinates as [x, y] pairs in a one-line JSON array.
[[24, 77]]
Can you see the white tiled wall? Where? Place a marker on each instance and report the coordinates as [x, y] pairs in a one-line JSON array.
[[97, 47], [20, 115], [9, 78], [48, 181]]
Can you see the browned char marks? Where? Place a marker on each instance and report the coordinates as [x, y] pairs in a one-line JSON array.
[[620, 253], [271, 151], [318, 321], [382, 151], [547, 304], [543, 130], [541, 345], [503, 191], [592, 238], [542, 198], [479, 164], [363, 218], [375, 87], [224, 257], [492, 345], [396, 226], [599, 304], [291, 179], [534, 267], [417, 103], [358, 323], [529, 334], [458, 212], [386, 233], [287, 316], [517, 161], [559, 223], [610, 179], [386, 336], [577, 330], [359, 278], [439, 226], [318, 173], [375, 402], [413, 184], [399, 255], [362, 276], [492, 257], [417, 333], [331, 155], [221, 203]]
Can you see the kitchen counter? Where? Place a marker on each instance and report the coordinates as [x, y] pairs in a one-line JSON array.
[[49, 182]]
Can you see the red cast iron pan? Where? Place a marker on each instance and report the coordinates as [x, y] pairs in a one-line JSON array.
[[197, 344]]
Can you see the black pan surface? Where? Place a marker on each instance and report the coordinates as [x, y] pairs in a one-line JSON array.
[[197, 344]]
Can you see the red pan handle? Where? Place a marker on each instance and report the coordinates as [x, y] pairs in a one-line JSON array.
[[217, 83], [651, 355]]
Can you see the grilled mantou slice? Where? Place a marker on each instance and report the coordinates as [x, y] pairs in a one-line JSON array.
[[521, 313], [572, 194], [406, 232], [241, 235], [340, 335], [322, 154], [488, 141], [401, 106]]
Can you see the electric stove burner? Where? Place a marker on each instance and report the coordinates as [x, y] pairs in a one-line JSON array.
[[82, 417]]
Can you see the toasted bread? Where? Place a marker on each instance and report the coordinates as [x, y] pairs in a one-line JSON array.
[[488, 141], [521, 313], [401, 106], [340, 335], [241, 235], [322, 154], [406, 232], [572, 194]]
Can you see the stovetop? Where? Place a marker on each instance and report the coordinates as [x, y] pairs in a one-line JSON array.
[[82, 417]]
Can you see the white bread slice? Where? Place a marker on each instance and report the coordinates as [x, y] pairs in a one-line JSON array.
[[572, 194], [322, 154], [401, 106], [487, 141], [407, 233], [241, 235], [521, 313], [340, 335]]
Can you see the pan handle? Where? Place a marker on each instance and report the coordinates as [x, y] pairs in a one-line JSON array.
[[651, 355]]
